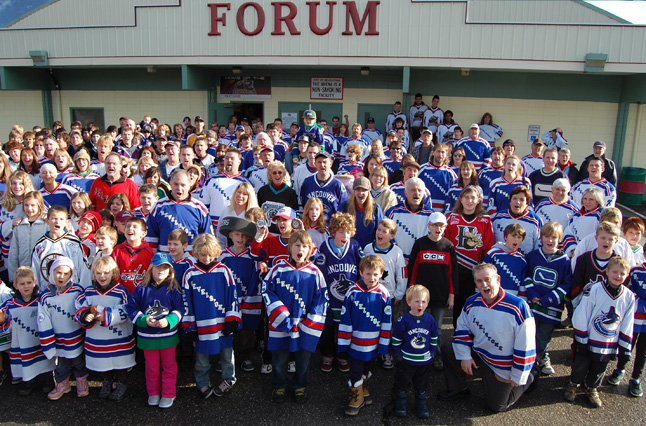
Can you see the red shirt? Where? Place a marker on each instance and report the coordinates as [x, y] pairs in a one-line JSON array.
[[133, 263], [102, 190]]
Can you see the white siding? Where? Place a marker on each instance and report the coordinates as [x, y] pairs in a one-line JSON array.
[[537, 11], [19, 107]]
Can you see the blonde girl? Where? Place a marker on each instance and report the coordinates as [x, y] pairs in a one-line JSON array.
[[118, 202], [27, 233], [314, 221], [380, 190], [79, 204], [143, 165]]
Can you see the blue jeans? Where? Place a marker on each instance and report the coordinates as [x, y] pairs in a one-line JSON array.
[[279, 373], [543, 337], [203, 366], [65, 367], [437, 312]]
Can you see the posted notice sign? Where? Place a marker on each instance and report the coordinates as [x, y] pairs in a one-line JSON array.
[[326, 88]]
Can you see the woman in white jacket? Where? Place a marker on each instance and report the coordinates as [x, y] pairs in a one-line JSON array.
[[27, 233]]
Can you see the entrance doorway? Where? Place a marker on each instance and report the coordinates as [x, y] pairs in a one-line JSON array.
[[250, 111]]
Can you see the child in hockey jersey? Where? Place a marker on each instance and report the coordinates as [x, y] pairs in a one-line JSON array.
[[156, 308], [414, 339], [364, 329], [269, 248], [247, 277], [433, 264], [638, 286], [109, 339], [549, 273], [511, 263], [211, 313], [585, 221], [603, 328], [28, 362], [633, 232], [296, 299], [147, 198], [5, 335], [338, 260], [61, 337], [134, 255]]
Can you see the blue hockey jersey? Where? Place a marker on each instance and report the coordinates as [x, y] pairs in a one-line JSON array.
[[246, 274], [548, 280], [331, 192], [512, 268], [638, 286], [167, 215], [365, 322], [415, 338], [438, 180]]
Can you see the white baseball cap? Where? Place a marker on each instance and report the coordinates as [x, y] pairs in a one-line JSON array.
[[437, 217]]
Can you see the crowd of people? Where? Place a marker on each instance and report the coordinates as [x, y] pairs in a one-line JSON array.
[[174, 245]]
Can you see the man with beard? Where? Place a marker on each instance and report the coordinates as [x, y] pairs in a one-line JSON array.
[[113, 183]]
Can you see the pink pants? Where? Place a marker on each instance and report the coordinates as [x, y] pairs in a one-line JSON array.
[[161, 372]]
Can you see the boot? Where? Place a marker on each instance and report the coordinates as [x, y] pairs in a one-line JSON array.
[[420, 405], [61, 389], [400, 403], [356, 400], [82, 387], [367, 398]]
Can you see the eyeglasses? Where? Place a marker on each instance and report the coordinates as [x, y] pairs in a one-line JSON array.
[[458, 155], [351, 151]]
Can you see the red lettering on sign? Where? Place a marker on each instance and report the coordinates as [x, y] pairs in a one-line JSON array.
[[288, 20], [240, 19], [215, 18], [313, 25], [352, 15]]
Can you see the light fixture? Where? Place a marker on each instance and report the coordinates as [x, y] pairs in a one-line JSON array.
[[237, 70], [39, 58], [595, 62], [151, 68], [465, 72], [365, 70]]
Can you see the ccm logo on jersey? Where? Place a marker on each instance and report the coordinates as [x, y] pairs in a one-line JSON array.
[[434, 256]]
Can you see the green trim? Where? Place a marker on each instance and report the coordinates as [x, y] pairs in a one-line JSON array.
[[48, 109], [620, 135], [406, 80], [25, 78], [634, 88]]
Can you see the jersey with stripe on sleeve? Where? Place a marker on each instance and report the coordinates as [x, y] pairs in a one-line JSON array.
[[133, 263], [638, 286], [341, 271], [503, 334], [296, 302], [589, 269], [392, 166], [210, 300], [246, 274], [399, 188], [438, 180], [395, 277], [532, 163], [511, 266], [416, 113], [471, 239], [217, 192], [477, 151], [331, 192], [490, 132], [530, 222], [371, 134], [607, 189], [47, 250], [109, 343], [410, 225], [59, 196], [432, 118], [485, 177], [80, 182], [181, 265], [581, 223], [26, 354], [365, 324], [444, 128], [6, 293], [415, 338], [390, 120], [500, 192], [548, 278], [156, 301], [551, 211], [167, 215], [604, 321], [60, 334]]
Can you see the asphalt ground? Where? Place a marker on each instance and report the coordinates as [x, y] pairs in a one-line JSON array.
[[249, 402]]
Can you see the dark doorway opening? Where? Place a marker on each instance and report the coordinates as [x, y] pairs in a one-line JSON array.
[[251, 111]]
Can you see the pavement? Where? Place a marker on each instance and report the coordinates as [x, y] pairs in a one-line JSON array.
[[249, 402]]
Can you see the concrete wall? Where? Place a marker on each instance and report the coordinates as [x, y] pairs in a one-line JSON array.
[[19, 107]]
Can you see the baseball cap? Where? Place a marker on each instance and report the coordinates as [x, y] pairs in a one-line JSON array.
[[426, 130], [474, 126], [392, 132], [266, 148], [538, 142], [285, 213], [239, 128], [361, 182], [123, 216], [161, 259], [602, 144], [323, 154], [370, 120], [146, 128], [437, 217], [304, 138], [509, 142], [198, 118], [308, 113]]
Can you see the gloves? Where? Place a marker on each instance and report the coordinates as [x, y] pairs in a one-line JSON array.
[[229, 327], [582, 349]]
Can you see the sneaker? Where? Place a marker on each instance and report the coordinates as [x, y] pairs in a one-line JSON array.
[[25, 388], [61, 389], [206, 392], [106, 390], [217, 367], [278, 396], [266, 369], [247, 365], [546, 368], [438, 365], [615, 378], [389, 362], [301, 395], [119, 390], [291, 367], [224, 387], [570, 392], [4, 375], [153, 401], [166, 402], [14, 380], [343, 364], [593, 397], [635, 388], [326, 364], [82, 387]]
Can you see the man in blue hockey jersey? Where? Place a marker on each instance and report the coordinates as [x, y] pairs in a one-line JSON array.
[[324, 186]]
